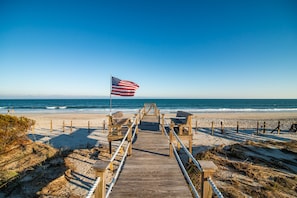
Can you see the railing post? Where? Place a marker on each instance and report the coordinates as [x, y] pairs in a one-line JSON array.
[[100, 168], [171, 140], [222, 127], [162, 123], [208, 169], [63, 126], [89, 126], [257, 127], [137, 123], [103, 125], [237, 127], [129, 137], [278, 127], [51, 126]]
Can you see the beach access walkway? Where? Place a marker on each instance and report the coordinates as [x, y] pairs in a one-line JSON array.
[[149, 171]]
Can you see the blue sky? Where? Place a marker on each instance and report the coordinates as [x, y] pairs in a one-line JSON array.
[[172, 49]]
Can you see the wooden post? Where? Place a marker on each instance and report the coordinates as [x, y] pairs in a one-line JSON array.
[[103, 126], [130, 140], [222, 127], [162, 123], [208, 169], [178, 146], [110, 148], [89, 126], [278, 127], [264, 126], [212, 128], [51, 126], [63, 126], [71, 126], [237, 128], [110, 124], [100, 168], [257, 127], [171, 140]]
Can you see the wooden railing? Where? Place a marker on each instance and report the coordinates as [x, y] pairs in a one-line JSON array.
[[207, 168], [101, 167]]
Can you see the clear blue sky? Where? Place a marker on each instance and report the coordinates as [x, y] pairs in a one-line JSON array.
[[172, 49]]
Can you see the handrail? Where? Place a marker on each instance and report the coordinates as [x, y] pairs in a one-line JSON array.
[[213, 186], [188, 152], [89, 195], [185, 173], [95, 185], [122, 142], [182, 166], [120, 166]]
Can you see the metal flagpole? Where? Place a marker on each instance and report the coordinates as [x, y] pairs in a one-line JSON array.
[[110, 102]]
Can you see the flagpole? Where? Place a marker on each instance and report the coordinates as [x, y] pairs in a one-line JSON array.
[[110, 104]]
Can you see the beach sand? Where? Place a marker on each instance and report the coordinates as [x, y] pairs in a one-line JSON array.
[[201, 124], [88, 137]]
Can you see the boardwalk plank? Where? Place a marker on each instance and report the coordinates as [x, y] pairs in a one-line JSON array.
[[149, 172]]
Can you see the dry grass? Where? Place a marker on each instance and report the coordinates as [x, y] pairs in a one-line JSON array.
[[265, 169]]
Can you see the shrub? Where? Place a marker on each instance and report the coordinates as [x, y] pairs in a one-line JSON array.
[[13, 129]]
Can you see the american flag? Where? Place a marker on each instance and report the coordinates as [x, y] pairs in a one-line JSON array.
[[123, 87]]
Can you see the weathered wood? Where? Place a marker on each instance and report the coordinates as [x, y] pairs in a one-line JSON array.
[[116, 128], [71, 126], [100, 168], [150, 172], [183, 121], [208, 169], [63, 126]]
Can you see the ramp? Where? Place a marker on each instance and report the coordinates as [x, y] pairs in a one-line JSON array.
[[150, 172]]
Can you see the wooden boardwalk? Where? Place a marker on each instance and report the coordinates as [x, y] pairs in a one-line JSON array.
[[149, 172]]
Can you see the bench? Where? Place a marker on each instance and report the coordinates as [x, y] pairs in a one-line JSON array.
[[116, 123], [117, 127], [183, 121]]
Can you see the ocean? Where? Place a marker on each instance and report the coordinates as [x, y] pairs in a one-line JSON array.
[[102, 106]]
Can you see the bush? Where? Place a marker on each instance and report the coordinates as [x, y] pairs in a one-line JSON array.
[[13, 129]]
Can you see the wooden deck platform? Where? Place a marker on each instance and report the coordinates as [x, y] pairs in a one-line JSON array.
[[149, 172]]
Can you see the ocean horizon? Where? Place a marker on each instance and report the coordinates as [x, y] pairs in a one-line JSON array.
[[102, 106]]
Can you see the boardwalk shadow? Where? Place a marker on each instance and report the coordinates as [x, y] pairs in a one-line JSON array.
[[149, 126], [242, 135], [77, 139], [151, 152]]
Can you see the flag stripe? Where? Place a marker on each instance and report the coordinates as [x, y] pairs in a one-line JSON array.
[[123, 87]]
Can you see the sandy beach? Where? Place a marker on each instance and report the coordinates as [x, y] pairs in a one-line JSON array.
[[85, 134], [201, 124]]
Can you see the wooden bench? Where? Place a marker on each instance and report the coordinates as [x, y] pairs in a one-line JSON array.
[[183, 121], [117, 127], [116, 123]]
